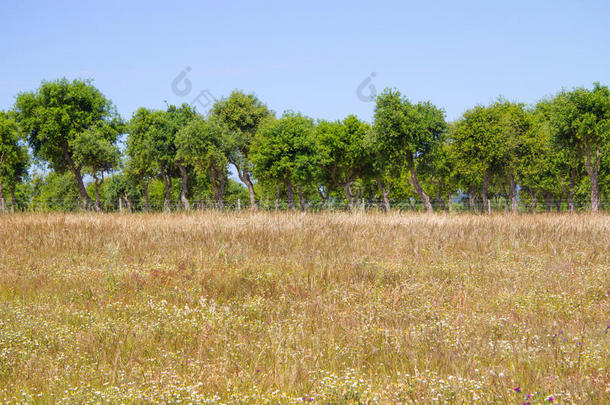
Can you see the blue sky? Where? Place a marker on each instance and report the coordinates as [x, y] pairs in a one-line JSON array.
[[308, 56]]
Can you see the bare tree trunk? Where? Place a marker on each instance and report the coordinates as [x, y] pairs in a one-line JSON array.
[[420, 191], [348, 192], [484, 193], [440, 198], [184, 190], [385, 193], [558, 204], [221, 192], [244, 176], [13, 200], [146, 197], [128, 202], [277, 197], [290, 194], [2, 203], [513, 193], [592, 171], [167, 183], [450, 204], [79, 179], [96, 186], [301, 197], [471, 200], [571, 206], [547, 200], [534, 200], [218, 186]]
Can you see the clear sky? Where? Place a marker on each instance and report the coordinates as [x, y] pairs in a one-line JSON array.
[[307, 56]]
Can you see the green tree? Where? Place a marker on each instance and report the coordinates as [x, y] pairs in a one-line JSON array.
[[58, 113], [514, 128], [95, 151], [405, 133], [283, 151], [151, 146], [581, 122], [478, 150], [202, 144], [342, 153], [242, 114], [14, 158]]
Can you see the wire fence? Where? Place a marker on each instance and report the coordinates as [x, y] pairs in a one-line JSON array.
[[361, 204]]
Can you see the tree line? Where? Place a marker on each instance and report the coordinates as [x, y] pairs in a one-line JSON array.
[[555, 153]]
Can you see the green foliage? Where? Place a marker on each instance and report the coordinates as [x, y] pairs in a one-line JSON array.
[[557, 150], [242, 114], [14, 157], [55, 191], [57, 114], [342, 154], [284, 150]]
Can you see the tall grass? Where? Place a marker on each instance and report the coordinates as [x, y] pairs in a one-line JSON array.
[[288, 308]]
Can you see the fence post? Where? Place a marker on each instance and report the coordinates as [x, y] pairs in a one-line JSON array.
[[239, 204]]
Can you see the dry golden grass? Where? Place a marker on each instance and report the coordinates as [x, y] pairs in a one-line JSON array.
[[322, 308]]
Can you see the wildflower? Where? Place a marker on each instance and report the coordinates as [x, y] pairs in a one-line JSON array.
[[551, 399], [517, 389]]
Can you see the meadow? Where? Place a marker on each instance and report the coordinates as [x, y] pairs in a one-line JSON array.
[[336, 308]]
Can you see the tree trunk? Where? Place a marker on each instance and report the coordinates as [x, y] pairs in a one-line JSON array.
[[301, 197], [146, 197], [218, 186], [347, 188], [420, 191], [79, 179], [184, 190], [13, 200], [2, 203], [534, 200], [547, 200], [592, 170], [385, 193], [450, 204], [128, 202], [244, 176], [440, 198], [167, 183], [471, 200], [290, 194], [277, 197], [513, 193], [571, 206], [558, 204], [484, 193], [96, 185]]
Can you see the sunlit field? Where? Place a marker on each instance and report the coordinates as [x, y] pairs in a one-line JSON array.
[[304, 308]]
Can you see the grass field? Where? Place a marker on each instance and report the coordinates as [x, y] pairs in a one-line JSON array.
[[317, 308]]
